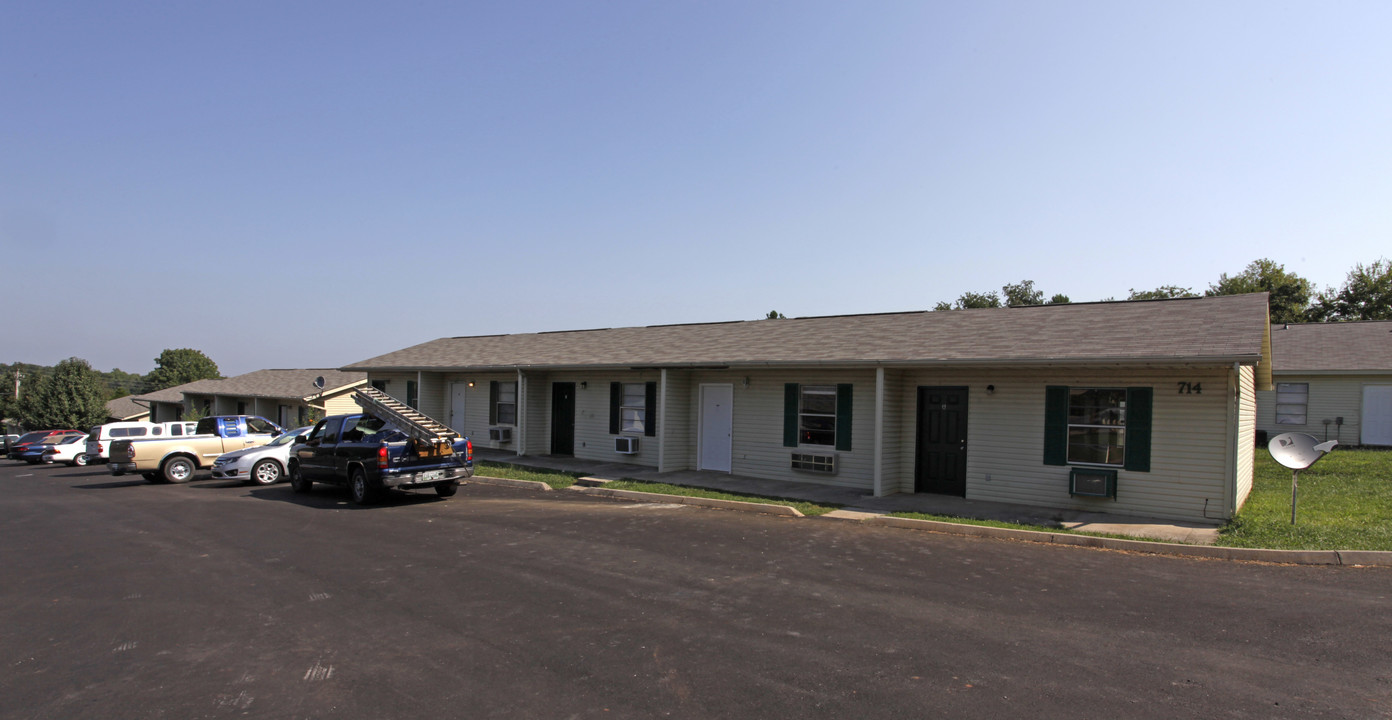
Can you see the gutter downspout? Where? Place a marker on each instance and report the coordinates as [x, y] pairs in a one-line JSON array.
[[521, 413]]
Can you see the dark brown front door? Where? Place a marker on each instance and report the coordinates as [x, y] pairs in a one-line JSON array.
[[940, 455], [563, 418]]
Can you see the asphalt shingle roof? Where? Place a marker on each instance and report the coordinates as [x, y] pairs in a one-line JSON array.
[[297, 383], [1229, 328], [1337, 346], [125, 408]]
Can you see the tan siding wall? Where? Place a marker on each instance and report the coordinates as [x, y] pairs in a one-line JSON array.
[[340, 404], [1246, 433], [1005, 440], [1330, 397], [433, 396], [758, 425], [535, 411], [679, 423], [895, 420], [592, 438]]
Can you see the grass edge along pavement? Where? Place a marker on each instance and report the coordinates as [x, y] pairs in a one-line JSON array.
[[1345, 503]]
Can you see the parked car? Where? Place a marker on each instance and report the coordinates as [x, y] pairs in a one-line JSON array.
[[34, 454], [30, 438], [70, 450], [264, 465], [100, 438]]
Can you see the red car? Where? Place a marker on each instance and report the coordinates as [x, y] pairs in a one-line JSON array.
[[31, 438]]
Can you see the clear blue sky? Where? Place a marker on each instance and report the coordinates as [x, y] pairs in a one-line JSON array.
[[289, 184]]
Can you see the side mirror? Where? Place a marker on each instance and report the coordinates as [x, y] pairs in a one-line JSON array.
[[299, 440]]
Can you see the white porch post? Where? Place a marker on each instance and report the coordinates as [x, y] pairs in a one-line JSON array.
[[879, 431], [662, 426], [521, 413]]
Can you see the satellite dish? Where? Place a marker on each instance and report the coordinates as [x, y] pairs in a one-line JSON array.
[[319, 383], [1298, 451]]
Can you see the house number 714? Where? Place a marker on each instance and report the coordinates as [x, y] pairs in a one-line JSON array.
[[1190, 388]]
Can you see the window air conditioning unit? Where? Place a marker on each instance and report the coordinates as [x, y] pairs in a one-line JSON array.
[[1090, 482], [814, 462], [626, 445], [500, 434]]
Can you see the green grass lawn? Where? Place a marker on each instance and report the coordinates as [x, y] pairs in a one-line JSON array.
[[1345, 503], [802, 506], [554, 478]]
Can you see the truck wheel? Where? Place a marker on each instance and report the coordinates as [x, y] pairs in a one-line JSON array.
[[266, 472], [298, 483], [177, 469], [447, 489], [361, 489]]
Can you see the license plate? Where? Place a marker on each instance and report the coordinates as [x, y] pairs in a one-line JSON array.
[[432, 475]]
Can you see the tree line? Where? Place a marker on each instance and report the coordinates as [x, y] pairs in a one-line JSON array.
[[1366, 293], [73, 395]]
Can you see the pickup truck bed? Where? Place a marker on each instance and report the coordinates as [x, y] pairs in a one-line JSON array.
[[370, 456]]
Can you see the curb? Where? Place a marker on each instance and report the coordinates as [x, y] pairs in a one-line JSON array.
[[1347, 558], [506, 482], [1287, 557], [636, 496]]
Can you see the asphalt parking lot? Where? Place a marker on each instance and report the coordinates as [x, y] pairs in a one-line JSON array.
[[122, 599]]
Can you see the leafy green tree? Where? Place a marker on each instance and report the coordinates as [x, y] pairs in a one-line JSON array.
[[1164, 292], [1365, 295], [71, 397], [942, 305], [1059, 299], [1290, 293], [176, 367], [775, 315], [1023, 294], [972, 301]]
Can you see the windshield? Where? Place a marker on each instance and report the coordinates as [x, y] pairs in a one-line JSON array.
[[32, 437], [289, 437]]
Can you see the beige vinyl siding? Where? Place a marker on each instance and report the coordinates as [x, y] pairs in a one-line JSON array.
[[432, 396], [1331, 396], [757, 448], [475, 425], [592, 438], [1246, 433], [395, 383], [678, 428], [896, 418], [340, 404], [534, 412], [1005, 440]]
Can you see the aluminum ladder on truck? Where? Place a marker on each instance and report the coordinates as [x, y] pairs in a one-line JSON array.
[[432, 436]]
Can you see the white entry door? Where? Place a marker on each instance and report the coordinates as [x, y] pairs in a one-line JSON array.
[[1377, 415], [458, 394], [716, 427]]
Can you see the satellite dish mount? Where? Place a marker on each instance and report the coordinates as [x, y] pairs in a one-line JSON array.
[[1297, 451]]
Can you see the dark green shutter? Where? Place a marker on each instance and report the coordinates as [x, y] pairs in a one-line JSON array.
[[615, 402], [792, 395], [1139, 402], [650, 409], [843, 416], [1056, 425], [493, 402]]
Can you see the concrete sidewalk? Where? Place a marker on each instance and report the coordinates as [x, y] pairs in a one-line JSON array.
[[857, 504]]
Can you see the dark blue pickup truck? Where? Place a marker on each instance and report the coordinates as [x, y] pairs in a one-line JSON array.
[[369, 456]]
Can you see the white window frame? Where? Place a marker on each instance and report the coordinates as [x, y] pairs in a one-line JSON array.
[[1118, 428], [633, 409], [1292, 403], [507, 397], [803, 413]]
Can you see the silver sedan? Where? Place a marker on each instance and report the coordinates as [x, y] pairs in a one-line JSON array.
[[264, 465]]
